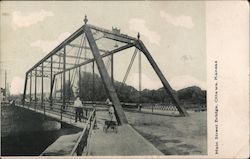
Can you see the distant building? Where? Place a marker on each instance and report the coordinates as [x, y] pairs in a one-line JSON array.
[[3, 94]]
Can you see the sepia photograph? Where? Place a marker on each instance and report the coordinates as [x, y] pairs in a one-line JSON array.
[[99, 78]]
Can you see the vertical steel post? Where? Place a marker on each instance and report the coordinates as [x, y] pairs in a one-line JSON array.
[[25, 88], [79, 82], [5, 85], [35, 87], [61, 83], [85, 52], [93, 81], [51, 81], [69, 87], [64, 67], [112, 68], [139, 58], [30, 89], [42, 92], [84, 83]]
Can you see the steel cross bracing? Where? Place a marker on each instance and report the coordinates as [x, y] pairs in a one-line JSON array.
[[60, 60]]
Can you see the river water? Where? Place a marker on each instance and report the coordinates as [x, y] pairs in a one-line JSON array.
[[25, 133]]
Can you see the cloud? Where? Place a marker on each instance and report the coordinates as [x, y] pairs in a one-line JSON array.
[[20, 21], [184, 81], [147, 82], [182, 21], [16, 86], [139, 25], [48, 45]]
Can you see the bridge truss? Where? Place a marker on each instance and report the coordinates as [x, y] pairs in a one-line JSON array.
[[89, 45]]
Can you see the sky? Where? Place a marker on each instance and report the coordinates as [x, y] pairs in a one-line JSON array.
[[173, 32]]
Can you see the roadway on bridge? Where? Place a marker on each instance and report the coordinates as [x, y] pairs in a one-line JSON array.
[[126, 142]]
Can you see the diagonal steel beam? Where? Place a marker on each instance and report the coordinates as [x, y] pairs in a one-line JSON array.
[[165, 83], [25, 88], [59, 47], [121, 118], [108, 34]]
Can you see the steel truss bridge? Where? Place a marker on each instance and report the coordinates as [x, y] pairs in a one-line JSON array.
[[88, 46]]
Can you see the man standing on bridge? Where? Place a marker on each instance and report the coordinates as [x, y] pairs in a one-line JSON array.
[[78, 108]]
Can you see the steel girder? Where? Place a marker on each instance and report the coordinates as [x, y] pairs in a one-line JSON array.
[[109, 87], [165, 83]]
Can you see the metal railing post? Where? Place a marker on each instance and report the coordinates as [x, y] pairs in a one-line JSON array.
[[61, 113]]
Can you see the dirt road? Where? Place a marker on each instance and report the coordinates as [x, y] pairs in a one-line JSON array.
[[173, 135]]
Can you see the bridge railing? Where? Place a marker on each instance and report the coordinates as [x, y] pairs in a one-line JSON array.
[[58, 109], [68, 111], [5, 103], [81, 146]]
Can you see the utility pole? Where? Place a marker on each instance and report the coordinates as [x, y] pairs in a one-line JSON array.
[[5, 85], [5, 79]]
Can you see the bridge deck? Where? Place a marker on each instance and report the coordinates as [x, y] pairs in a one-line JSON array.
[[127, 142]]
